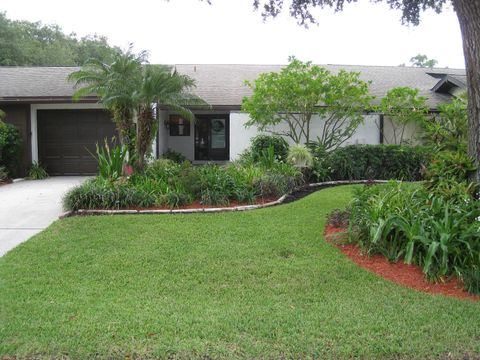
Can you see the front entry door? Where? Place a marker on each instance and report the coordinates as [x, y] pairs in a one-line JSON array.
[[212, 137]]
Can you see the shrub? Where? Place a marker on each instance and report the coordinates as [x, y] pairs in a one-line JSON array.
[[274, 184], [216, 185], [3, 174], [338, 218], [448, 165], [261, 143], [448, 175], [363, 162], [10, 144], [100, 194], [167, 183], [163, 169], [174, 199], [37, 172], [439, 234], [111, 161], [174, 156], [449, 129], [300, 156]]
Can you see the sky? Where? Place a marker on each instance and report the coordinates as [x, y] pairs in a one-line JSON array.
[[231, 32]]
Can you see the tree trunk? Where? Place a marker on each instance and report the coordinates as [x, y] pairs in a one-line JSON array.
[[468, 12], [145, 134]]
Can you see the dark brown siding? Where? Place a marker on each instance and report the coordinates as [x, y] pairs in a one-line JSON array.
[[67, 138], [19, 115]]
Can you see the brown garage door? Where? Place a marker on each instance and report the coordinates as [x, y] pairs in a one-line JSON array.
[[67, 138]]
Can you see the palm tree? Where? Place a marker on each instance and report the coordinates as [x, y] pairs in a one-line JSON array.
[[128, 87], [114, 84], [161, 86]]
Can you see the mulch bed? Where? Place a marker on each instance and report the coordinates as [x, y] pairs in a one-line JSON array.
[[410, 276]]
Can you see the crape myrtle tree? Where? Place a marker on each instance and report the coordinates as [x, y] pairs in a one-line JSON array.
[[301, 93], [468, 13]]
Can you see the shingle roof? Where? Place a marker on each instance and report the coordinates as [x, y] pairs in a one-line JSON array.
[[35, 82], [223, 85]]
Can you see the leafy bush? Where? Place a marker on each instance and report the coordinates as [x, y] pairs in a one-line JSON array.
[[448, 175], [174, 156], [338, 218], [111, 161], [441, 235], [10, 144], [100, 194], [449, 165], [261, 143], [164, 170], [3, 174], [274, 184], [165, 183], [300, 156], [174, 199], [363, 162], [37, 172], [449, 129]]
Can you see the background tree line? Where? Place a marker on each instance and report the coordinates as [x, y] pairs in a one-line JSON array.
[[24, 43]]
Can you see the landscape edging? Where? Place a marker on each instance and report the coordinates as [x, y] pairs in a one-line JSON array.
[[83, 212]]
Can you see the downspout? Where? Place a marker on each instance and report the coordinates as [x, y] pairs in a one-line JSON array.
[[157, 115], [381, 129]]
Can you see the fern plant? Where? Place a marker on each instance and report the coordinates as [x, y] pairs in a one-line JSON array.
[[300, 156]]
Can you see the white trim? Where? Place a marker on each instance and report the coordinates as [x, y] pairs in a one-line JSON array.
[[33, 119]]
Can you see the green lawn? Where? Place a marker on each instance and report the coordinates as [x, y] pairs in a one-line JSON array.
[[258, 284]]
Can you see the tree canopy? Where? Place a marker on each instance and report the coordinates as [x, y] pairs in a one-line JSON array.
[[130, 89], [24, 43], [468, 14], [403, 106], [423, 61], [300, 9], [298, 92]]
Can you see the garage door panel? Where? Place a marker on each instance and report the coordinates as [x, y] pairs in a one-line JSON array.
[[67, 138]]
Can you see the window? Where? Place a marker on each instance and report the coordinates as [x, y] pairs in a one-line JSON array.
[[179, 126]]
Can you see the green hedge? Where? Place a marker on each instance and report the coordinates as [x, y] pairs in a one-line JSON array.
[[363, 162], [10, 143]]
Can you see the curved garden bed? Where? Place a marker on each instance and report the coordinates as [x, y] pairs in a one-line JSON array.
[[191, 209], [410, 276]]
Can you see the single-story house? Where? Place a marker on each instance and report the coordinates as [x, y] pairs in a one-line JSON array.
[[60, 133]]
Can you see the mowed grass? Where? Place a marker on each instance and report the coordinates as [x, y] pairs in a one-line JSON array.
[[258, 284]]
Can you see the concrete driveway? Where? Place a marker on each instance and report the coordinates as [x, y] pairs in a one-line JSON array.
[[27, 207]]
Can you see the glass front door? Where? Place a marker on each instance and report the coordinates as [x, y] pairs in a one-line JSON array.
[[212, 137]]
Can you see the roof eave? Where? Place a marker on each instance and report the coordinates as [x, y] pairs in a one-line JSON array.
[[45, 99]]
